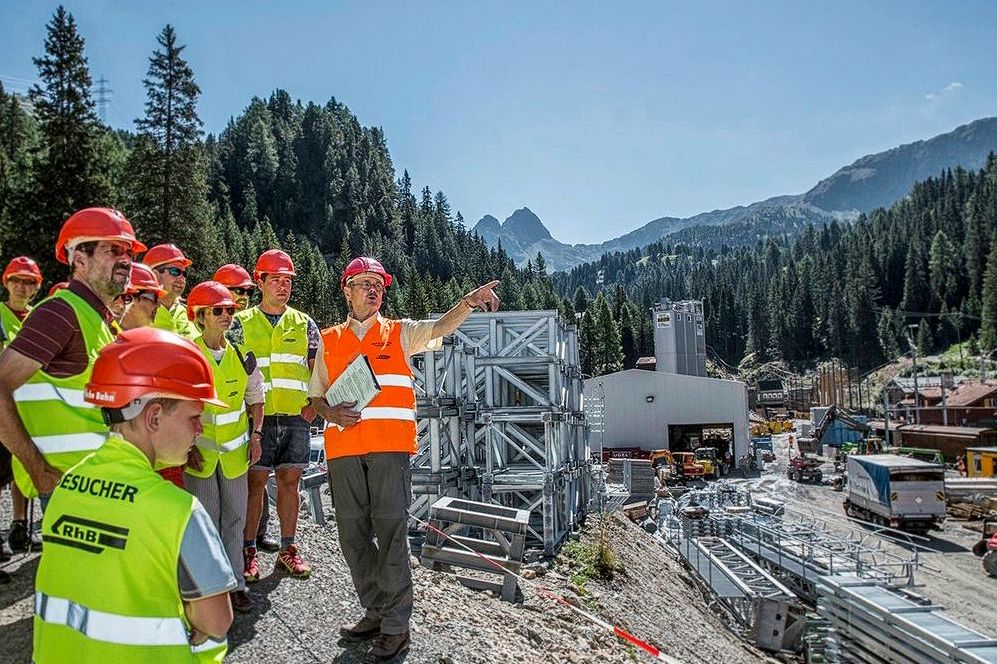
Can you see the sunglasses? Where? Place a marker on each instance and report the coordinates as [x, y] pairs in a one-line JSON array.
[[241, 291], [128, 298], [174, 271], [218, 311]]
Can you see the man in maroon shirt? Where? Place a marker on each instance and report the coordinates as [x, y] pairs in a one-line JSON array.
[[98, 244]]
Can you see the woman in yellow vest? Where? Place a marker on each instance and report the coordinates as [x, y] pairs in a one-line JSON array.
[[133, 569], [22, 278], [216, 473]]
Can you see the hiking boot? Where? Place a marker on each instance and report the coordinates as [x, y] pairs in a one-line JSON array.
[[365, 628], [250, 568], [242, 601], [19, 537], [292, 561], [389, 646], [268, 544]]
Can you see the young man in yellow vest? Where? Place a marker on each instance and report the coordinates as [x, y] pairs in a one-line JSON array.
[[240, 284], [133, 569], [44, 420], [368, 451], [22, 278], [285, 342], [170, 266]]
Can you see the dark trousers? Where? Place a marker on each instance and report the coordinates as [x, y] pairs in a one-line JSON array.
[[372, 494]]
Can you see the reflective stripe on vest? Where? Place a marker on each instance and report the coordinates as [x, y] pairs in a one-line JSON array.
[[388, 423], [225, 430], [47, 392], [282, 355], [71, 442], [385, 413], [62, 426], [394, 380], [101, 626]]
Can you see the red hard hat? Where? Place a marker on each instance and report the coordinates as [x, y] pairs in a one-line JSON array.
[[164, 254], [22, 266], [92, 224], [144, 279], [208, 294], [58, 287], [149, 362], [233, 276], [364, 264], [274, 261]]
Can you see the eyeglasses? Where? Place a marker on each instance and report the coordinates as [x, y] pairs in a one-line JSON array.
[[375, 286], [174, 271], [124, 298], [150, 296], [241, 291], [23, 281], [218, 311], [117, 250]]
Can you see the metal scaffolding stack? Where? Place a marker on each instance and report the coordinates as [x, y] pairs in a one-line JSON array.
[[500, 420]]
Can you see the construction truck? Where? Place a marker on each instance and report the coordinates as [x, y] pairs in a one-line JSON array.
[[895, 491], [683, 465], [986, 548], [815, 442], [707, 458], [805, 468]]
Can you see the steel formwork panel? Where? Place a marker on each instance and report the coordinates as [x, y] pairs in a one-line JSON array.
[[503, 396]]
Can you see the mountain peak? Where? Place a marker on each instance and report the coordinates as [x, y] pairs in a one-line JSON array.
[[525, 226]]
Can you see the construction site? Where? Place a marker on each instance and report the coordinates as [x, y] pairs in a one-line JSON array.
[[642, 515]]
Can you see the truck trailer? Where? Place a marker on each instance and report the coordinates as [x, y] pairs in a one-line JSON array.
[[895, 491]]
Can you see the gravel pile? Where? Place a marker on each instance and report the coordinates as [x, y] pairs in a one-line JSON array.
[[298, 621]]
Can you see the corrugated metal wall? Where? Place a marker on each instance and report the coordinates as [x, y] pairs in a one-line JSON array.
[[631, 421]]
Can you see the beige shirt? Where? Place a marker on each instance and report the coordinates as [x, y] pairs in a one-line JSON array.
[[417, 337]]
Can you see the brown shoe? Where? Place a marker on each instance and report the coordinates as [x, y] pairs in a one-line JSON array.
[[242, 601], [389, 646], [365, 628]]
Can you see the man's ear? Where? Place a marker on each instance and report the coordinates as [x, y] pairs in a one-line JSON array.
[[153, 416]]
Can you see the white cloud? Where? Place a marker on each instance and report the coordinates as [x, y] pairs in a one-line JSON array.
[[947, 91]]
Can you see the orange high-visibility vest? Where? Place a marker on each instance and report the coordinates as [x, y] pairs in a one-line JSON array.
[[388, 423]]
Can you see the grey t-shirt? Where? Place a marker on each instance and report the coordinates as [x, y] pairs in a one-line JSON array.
[[203, 569]]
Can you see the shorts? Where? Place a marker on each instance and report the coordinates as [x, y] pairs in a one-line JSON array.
[[6, 471], [286, 443]]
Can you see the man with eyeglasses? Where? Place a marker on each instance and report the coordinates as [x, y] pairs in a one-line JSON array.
[[285, 342], [368, 451], [170, 266], [240, 284], [22, 278], [44, 421]]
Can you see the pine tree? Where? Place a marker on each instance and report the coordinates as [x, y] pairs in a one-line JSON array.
[[168, 199], [71, 172], [988, 322], [608, 349]]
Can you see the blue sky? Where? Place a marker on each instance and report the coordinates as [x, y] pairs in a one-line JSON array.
[[599, 116]]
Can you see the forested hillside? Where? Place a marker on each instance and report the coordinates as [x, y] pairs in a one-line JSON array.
[[307, 177], [847, 291]]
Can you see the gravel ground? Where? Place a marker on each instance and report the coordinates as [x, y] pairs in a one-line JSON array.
[[298, 621]]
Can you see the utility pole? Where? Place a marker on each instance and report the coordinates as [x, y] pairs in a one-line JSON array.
[[886, 418], [945, 407], [917, 392], [103, 98]]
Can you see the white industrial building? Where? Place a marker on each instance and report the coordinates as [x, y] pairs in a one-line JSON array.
[[671, 407]]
